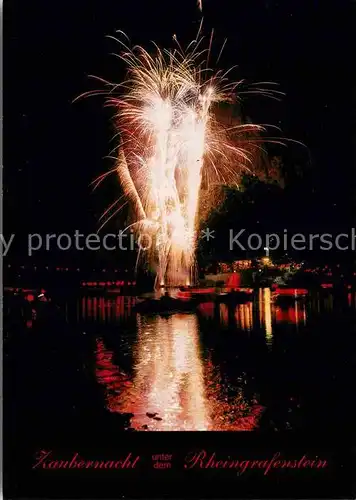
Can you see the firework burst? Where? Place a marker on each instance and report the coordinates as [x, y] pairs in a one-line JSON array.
[[173, 147]]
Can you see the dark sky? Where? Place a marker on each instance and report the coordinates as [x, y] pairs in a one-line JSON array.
[[54, 148]]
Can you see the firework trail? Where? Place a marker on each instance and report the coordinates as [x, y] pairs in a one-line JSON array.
[[173, 380], [171, 144]]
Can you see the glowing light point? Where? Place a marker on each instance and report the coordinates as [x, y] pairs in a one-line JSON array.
[[174, 151]]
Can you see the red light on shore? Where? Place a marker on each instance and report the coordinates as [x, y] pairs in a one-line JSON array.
[[30, 297]]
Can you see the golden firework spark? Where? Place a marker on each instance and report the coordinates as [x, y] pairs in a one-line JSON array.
[[171, 143]]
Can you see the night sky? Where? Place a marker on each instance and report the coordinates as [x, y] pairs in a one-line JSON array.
[[54, 148]]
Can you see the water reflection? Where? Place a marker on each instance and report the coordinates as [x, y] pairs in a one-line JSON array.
[[244, 317], [266, 308], [264, 312], [157, 368], [293, 315], [174, 386], [169, 373], [106, 310], [207, 309], [224, 314]]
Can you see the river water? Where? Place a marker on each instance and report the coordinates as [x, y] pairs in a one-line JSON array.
[[254, 366]]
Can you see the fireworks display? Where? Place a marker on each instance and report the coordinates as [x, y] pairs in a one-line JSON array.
[[172, 144]]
